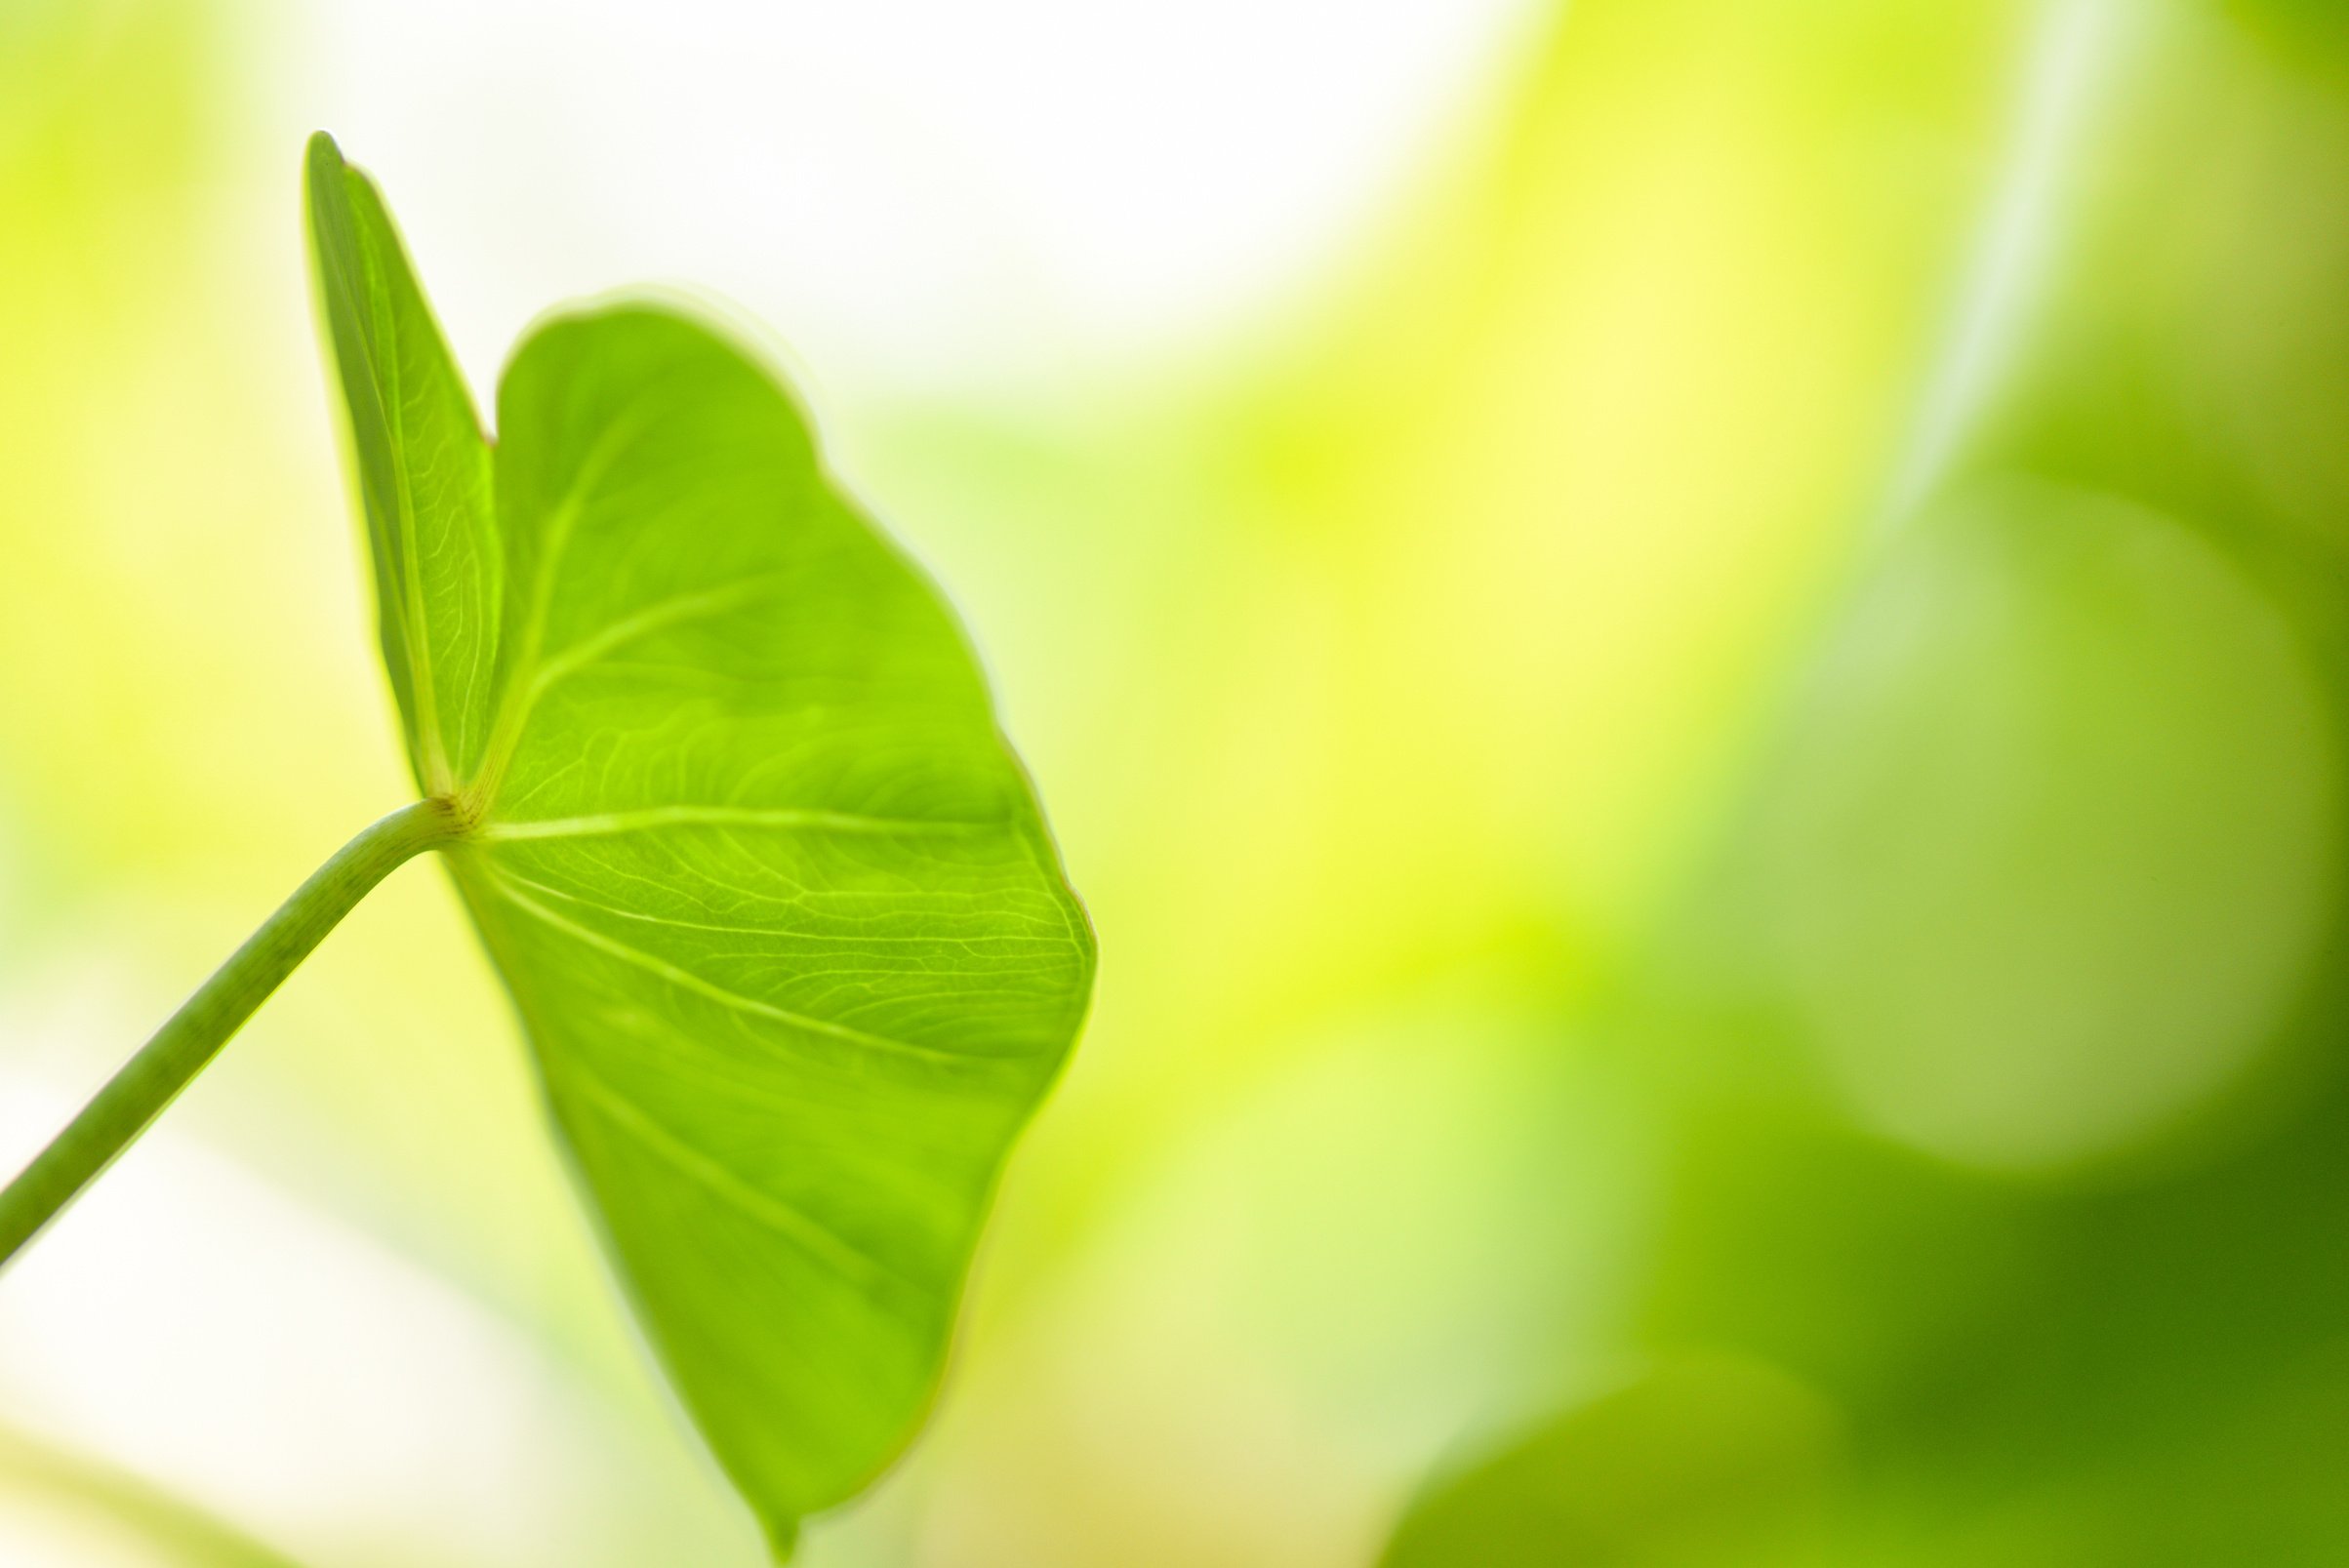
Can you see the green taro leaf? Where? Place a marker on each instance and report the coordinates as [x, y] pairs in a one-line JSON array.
[[773, 897]]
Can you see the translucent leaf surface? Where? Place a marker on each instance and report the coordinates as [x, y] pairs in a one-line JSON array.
[[772, 895]]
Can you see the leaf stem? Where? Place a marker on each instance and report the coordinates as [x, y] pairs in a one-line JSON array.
[[194, 1034]]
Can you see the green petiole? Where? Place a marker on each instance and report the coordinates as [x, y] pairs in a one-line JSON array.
[[168, 1062]]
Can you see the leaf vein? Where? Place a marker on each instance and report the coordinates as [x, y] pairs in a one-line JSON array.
[[784, 818], [687, 980], [813, 1237]]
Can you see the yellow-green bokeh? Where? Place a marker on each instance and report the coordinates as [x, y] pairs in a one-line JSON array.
[[1708, 766]]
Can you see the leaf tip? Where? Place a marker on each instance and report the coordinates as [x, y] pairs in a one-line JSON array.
[[322, 161], [323, 168]]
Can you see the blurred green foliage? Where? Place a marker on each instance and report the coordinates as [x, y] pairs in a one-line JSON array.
[[1694, 1464]]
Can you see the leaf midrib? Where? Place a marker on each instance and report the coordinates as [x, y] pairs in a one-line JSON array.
[[386, 373]]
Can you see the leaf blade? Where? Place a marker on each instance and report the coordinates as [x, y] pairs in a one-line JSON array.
[[420, 466], [775, 901]]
